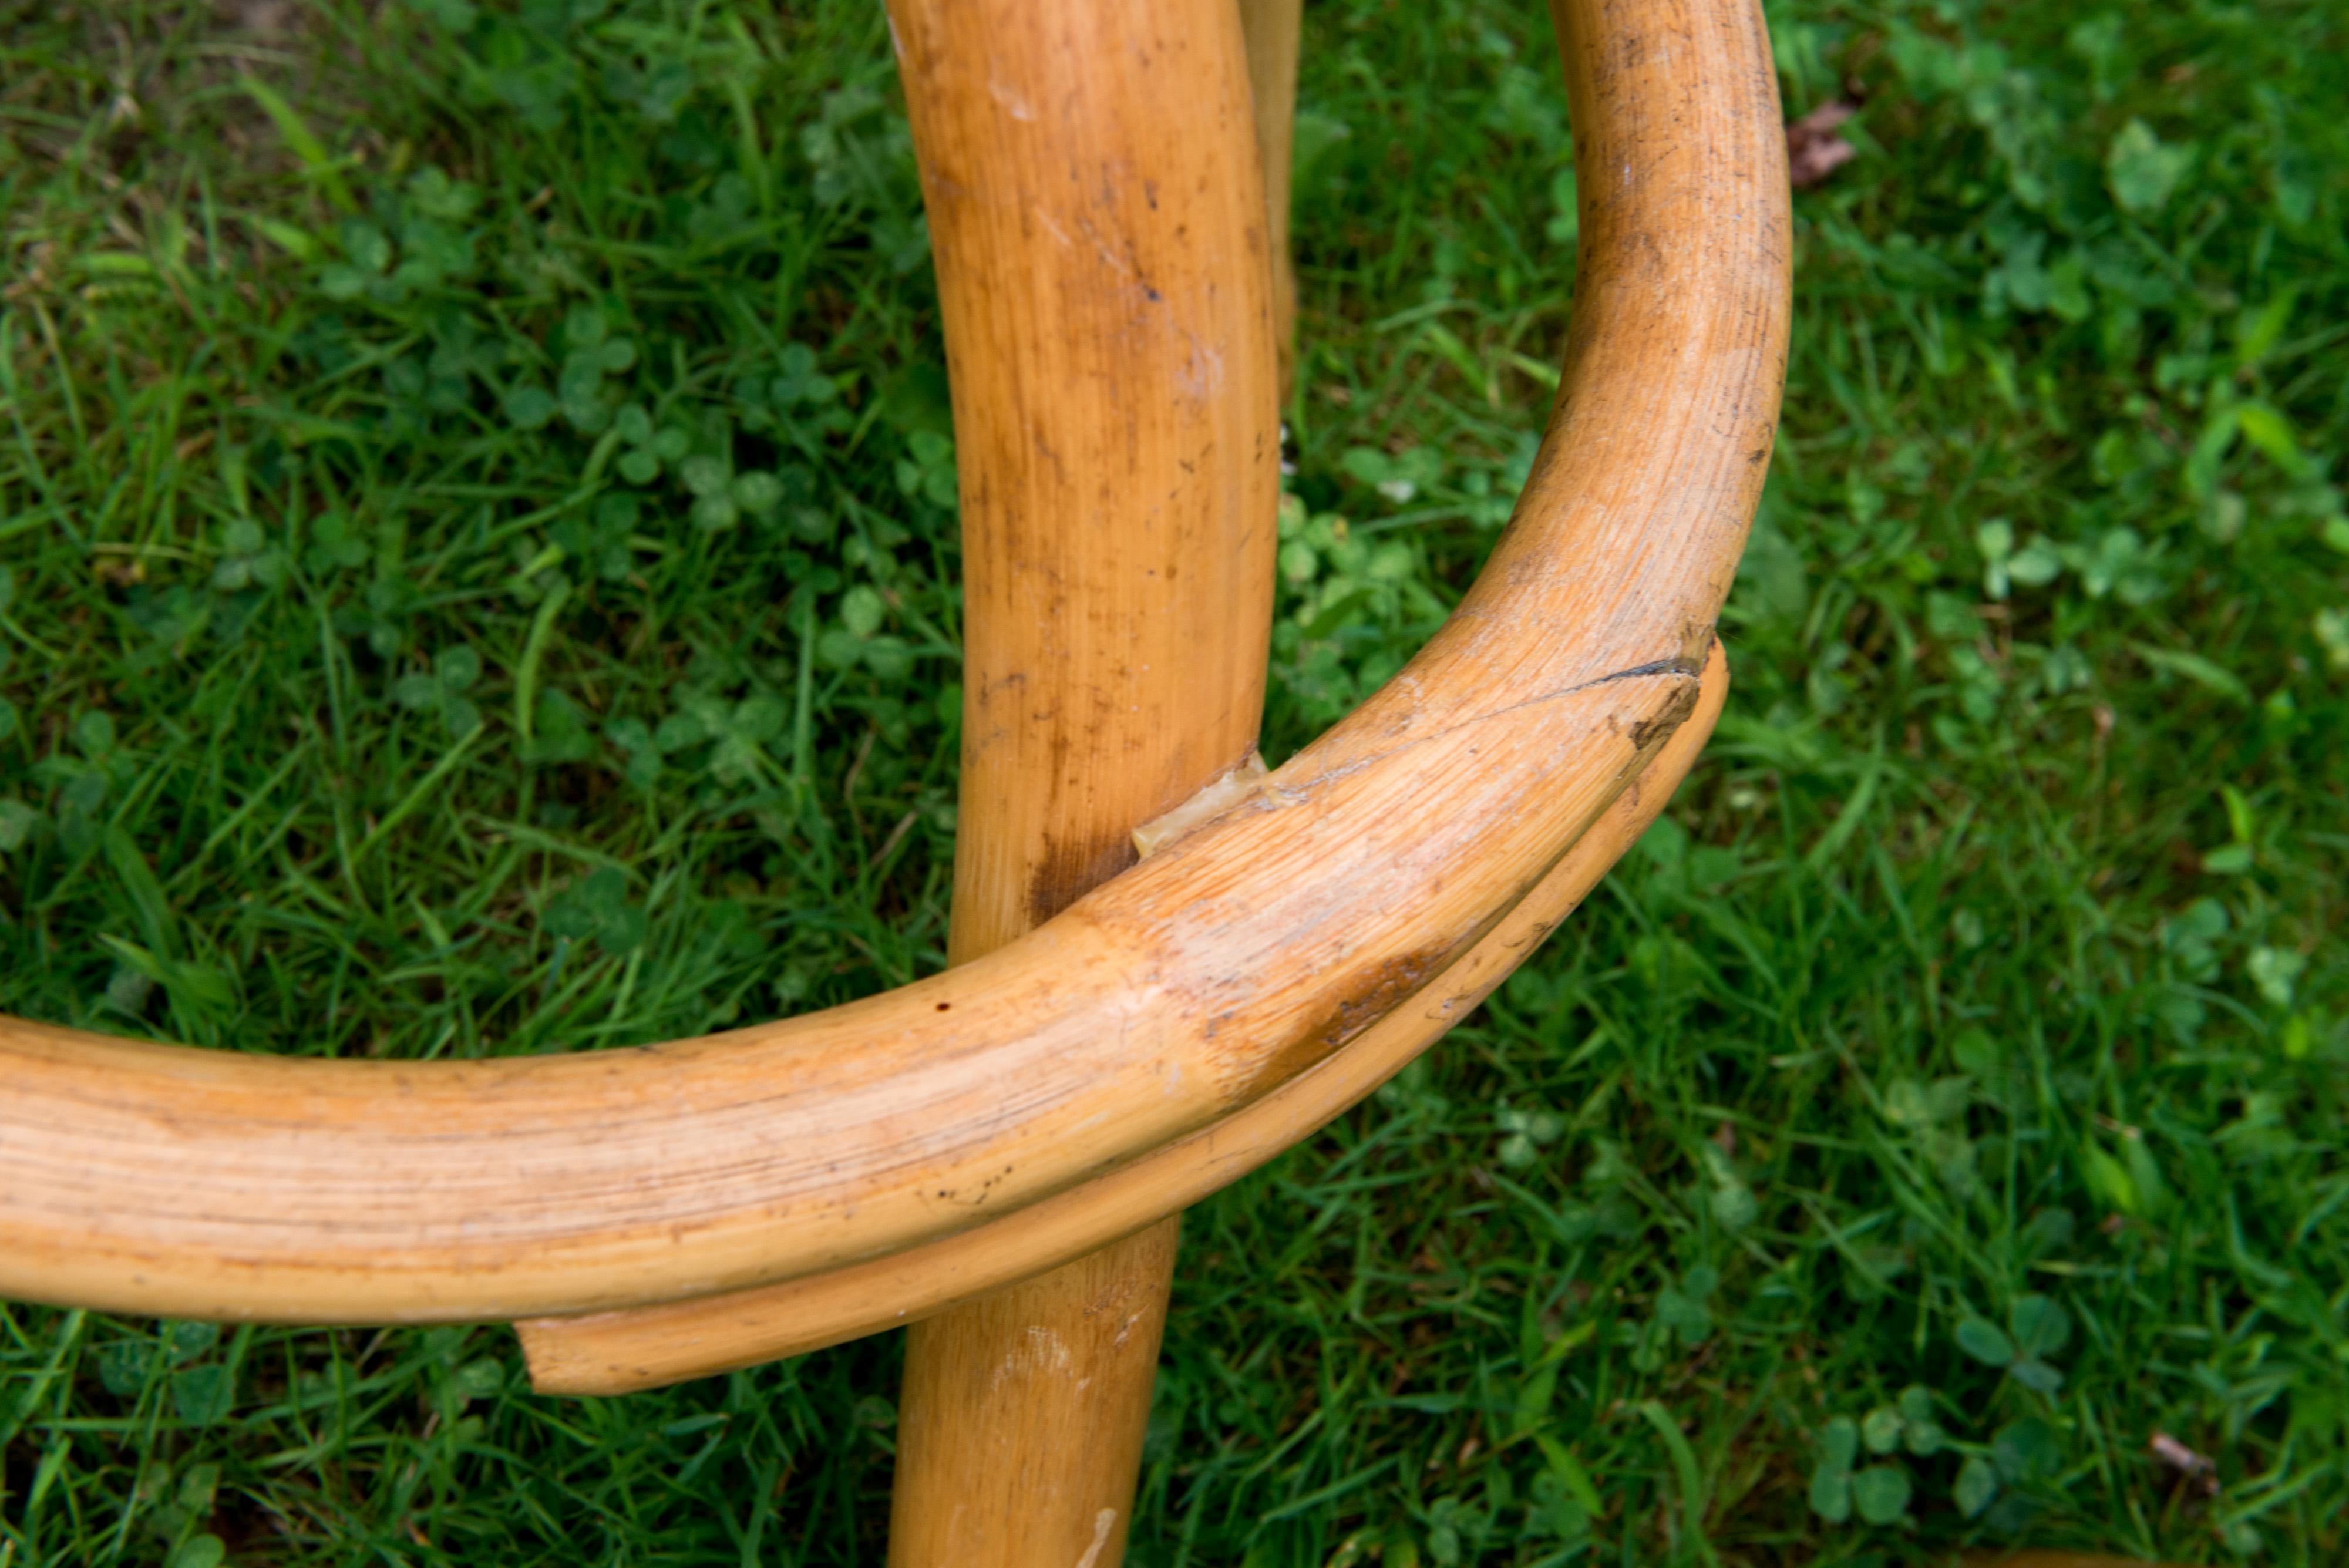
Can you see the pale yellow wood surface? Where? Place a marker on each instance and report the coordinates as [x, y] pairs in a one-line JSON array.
[[1090, 171], [158, 1179], [620, 1351]]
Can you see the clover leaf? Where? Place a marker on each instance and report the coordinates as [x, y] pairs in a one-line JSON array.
[[529, 406], [123, 1365], [2026, 1451], [584, 327], [1881, 1493], [712, 480], [861, 609], [558, 730], [1880, 1430], [185, 1340], [1397, 478], [928, 468], [858, 638], [2036, 1327], [2033, 565], [1682, 1308], [442, 691], [433, 194], [590, 351], [2142, 170], [17, 820], [1831, 1476], [1890, 1428], [1733, 1202], [203, 1395], [1985, 1341], [2118, 562], [597, 907], [635, 741], [741, 736], [1919, 1431], [248, 559], [757, 491], [737, 731], [1524, 1133], [367, 256], [799, 383], [641, 464], [599, 540], [336, 543], [1976, 1484]]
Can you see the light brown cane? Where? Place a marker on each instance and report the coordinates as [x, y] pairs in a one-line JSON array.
[[1090, 168]]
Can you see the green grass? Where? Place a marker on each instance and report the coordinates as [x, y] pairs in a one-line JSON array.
[[476, 575]]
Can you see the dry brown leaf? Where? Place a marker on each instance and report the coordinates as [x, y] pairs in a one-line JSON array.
[[2188, 1464], [1814, 150]]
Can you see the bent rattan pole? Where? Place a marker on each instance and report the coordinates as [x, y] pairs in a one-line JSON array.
[[645, 1347], [155, 1179], [1117, 435]]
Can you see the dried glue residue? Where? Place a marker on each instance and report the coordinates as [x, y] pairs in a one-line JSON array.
[[1201, 375], [1039, 1352], [1222, 792], [1017, 106], [1104, 1522]]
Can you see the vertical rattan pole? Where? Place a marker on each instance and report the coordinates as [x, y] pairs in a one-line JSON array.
[[1098, 218], [1274, 30]]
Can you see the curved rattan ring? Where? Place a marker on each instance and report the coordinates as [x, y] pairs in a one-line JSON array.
[[163, 1179]]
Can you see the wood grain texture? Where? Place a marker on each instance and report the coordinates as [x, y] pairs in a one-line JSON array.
[[1274, 30], [152, 1179], [1089, 168], [1019, 1430], [645, 1347]]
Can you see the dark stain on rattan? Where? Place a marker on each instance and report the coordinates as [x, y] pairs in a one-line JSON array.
[[1361, 1000], [1068, 869], [1656, 729]]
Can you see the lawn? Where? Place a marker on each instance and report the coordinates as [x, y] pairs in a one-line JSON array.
[[477, 564]]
